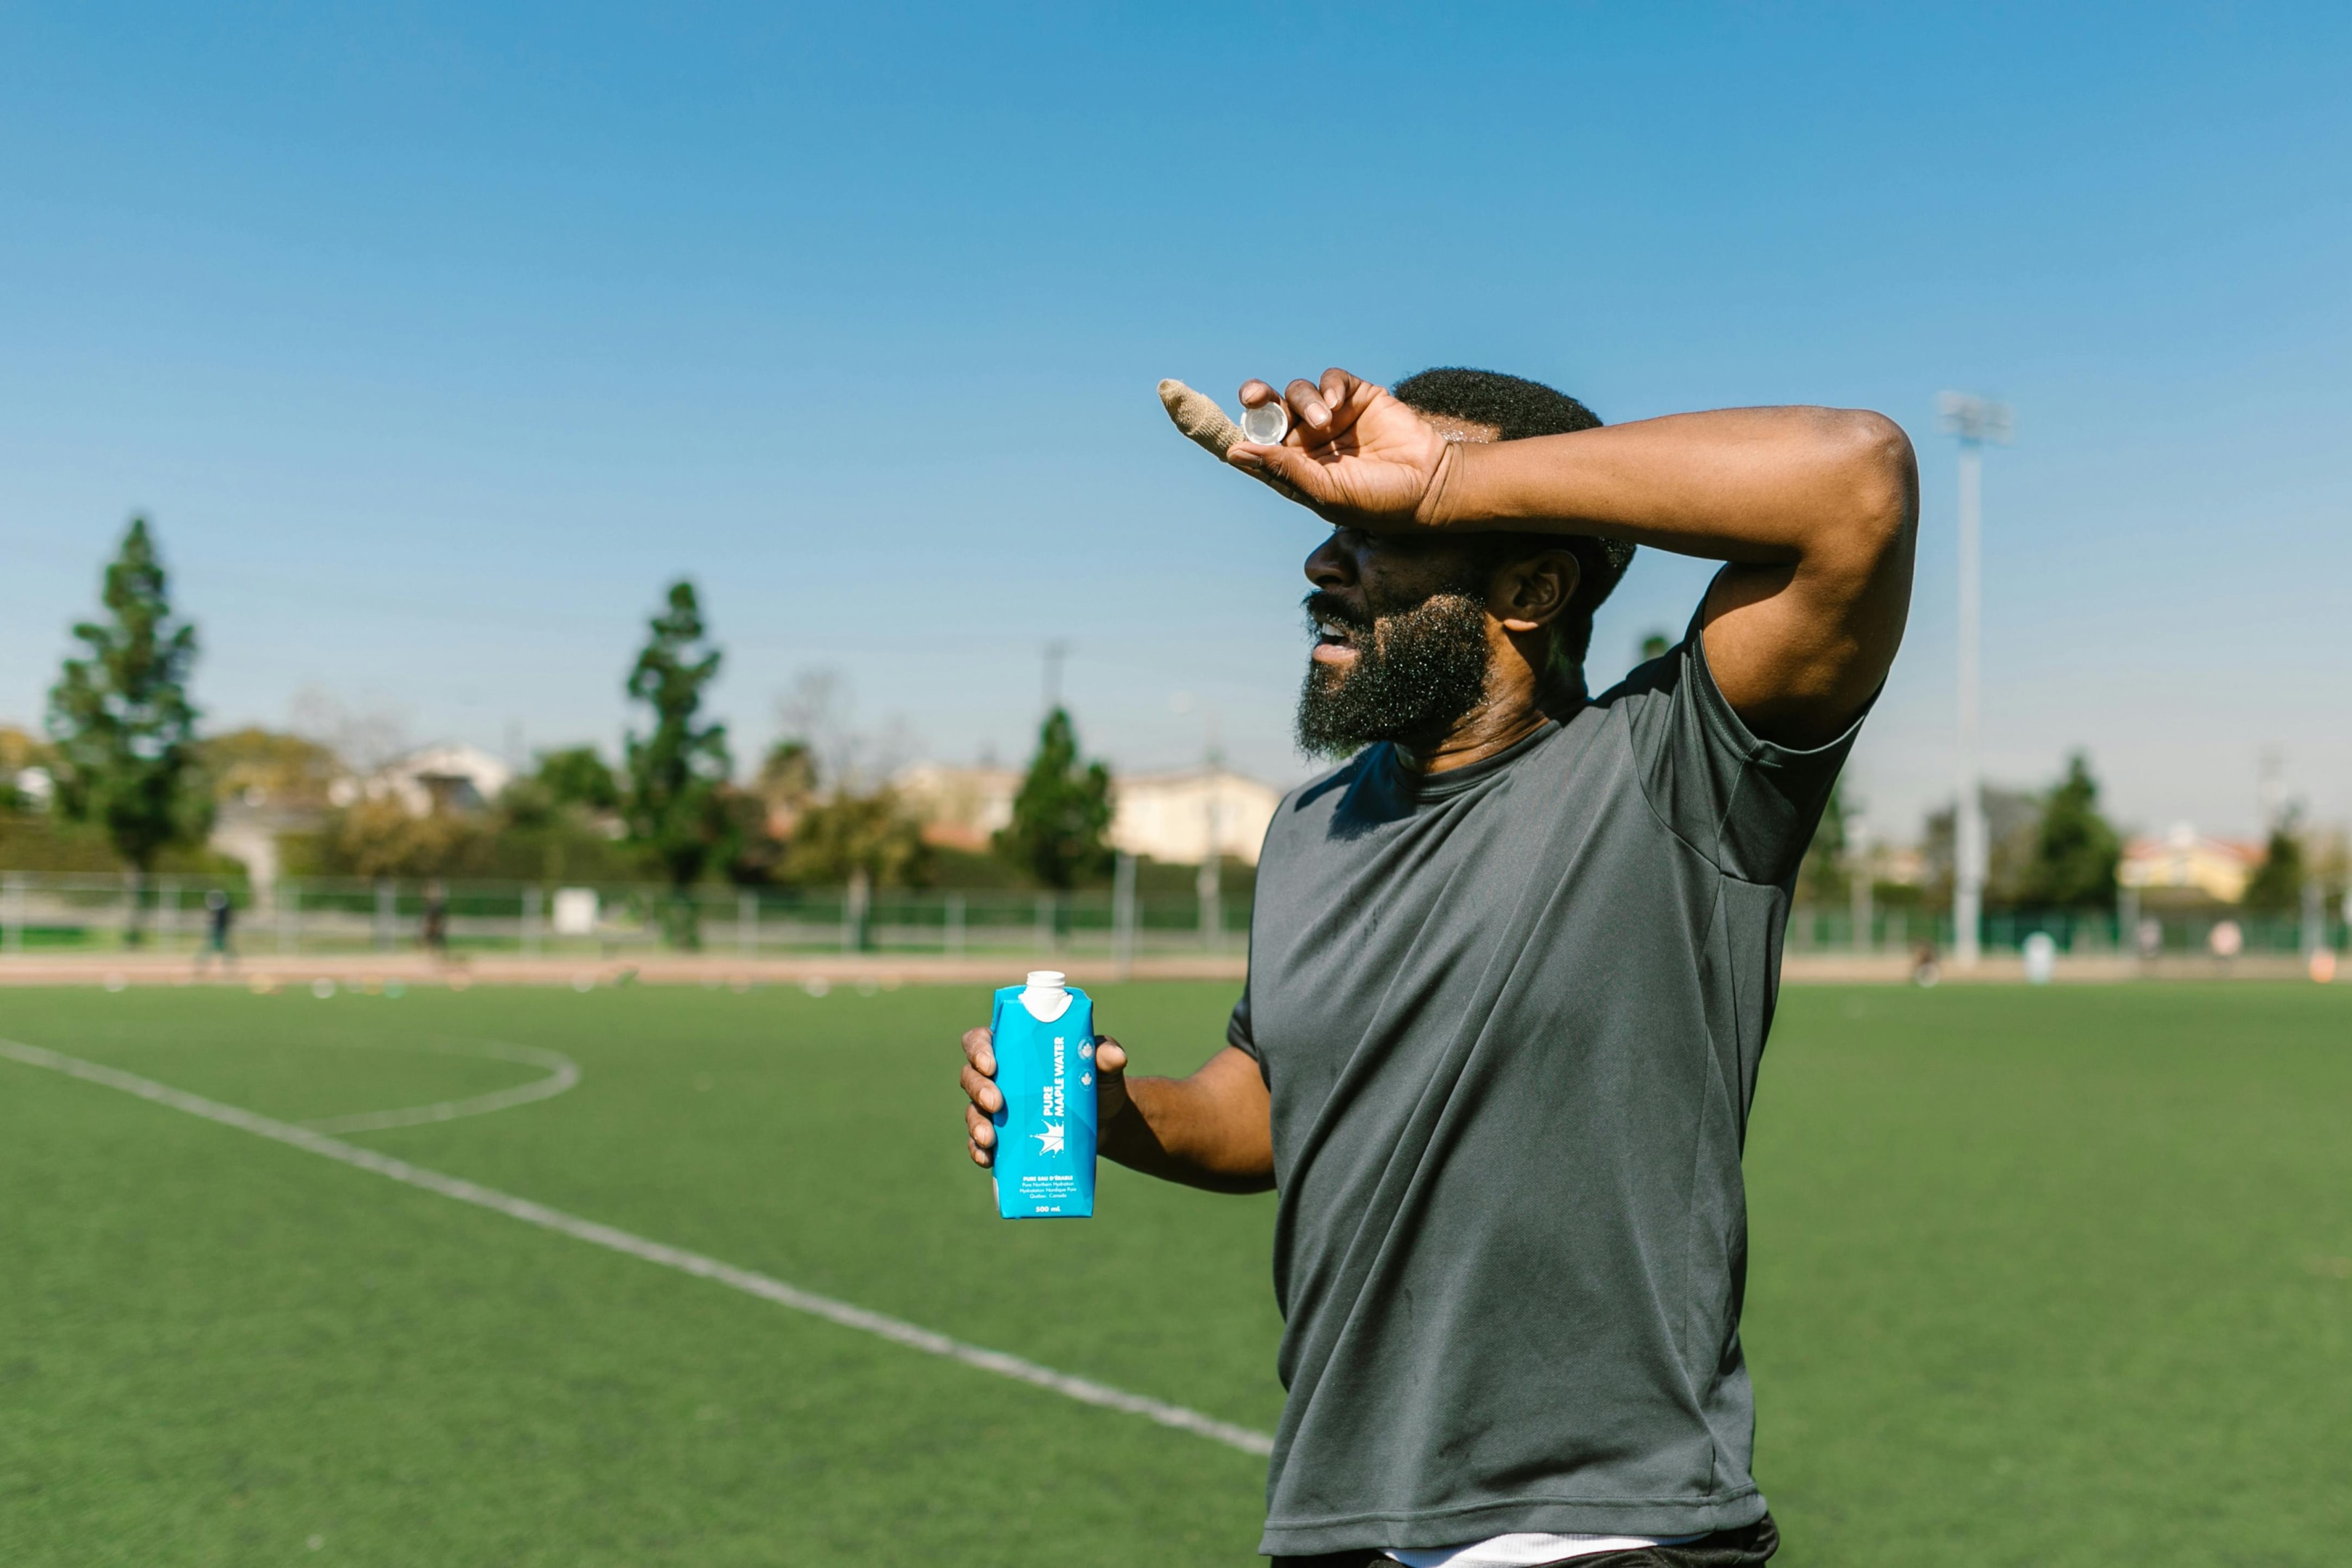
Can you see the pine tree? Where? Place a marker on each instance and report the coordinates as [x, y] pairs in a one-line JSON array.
[[2075, 849], [676, 805], [125, 731], [1061, 812], [2276, 885]]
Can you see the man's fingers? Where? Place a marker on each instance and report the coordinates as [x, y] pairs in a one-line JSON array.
[[1349, 396], [984, 1100], [1307, 406], [1286, 468], [1110, 1077], [1321, 407], [1251, 461], [978, 1049]]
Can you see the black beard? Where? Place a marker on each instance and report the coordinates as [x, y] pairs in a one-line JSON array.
[[1416, 670]]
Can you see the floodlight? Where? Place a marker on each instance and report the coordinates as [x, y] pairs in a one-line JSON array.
[[1974, 418]]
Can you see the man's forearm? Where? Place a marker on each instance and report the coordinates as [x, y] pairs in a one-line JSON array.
[[1762, 486], [1201, 1131]]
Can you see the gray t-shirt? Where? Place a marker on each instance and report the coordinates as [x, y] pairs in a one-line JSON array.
[[1510, 1016]]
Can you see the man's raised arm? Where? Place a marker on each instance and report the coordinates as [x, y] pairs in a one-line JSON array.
[[1212, 1130], [1813, 510]]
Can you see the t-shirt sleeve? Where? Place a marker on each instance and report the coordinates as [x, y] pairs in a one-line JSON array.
[[1237, 1028], [1748, 804]]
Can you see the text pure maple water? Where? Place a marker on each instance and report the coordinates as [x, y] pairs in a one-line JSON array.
[[1044, 1045]]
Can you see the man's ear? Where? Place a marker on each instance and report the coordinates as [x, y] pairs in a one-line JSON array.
[[1534, 590]]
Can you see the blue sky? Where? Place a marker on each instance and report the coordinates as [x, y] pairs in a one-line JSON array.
[[436, 339]]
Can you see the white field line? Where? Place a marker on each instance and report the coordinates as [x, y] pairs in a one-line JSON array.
[[562, 1073], [1084, 1390]]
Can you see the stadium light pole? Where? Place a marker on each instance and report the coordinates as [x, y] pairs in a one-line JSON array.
[[1974, 420]]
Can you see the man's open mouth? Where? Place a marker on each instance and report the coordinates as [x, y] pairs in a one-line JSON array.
[[1333, 644], [1339, 637]]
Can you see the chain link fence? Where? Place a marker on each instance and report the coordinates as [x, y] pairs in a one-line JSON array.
[[66, 912], [84, 912], [2148, 934]]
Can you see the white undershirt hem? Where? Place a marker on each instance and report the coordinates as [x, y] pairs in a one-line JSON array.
[[1525, 1550]]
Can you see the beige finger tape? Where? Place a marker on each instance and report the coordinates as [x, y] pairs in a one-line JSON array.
[[1197, 415]]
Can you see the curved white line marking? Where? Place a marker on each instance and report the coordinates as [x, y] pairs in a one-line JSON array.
[[897, 1331], [562, 1073]]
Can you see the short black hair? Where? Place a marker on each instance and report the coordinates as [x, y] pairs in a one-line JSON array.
[[1517, 408]]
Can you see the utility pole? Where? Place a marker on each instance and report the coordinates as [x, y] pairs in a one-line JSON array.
[[1974, 420]]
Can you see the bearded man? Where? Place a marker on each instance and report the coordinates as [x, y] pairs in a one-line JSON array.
[[1513, 963]]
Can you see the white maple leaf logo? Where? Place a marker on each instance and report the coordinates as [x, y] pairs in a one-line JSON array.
[[1087, 1079], [1088, 1049], [1049, 1142]]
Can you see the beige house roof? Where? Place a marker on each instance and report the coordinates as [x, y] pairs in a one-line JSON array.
[[2183, 858]]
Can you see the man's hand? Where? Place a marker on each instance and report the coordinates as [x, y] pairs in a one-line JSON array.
[[1361, 458], [1212, 1130], [986, 1099]]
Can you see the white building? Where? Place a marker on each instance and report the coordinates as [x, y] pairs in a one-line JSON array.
[[1171, 816], [437, 778], [1185, 817]]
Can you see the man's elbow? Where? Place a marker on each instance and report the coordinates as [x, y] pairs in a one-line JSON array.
[[1879, 485]]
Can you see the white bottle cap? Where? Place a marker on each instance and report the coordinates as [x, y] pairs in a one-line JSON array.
[[1266, 424], [1045, 997]]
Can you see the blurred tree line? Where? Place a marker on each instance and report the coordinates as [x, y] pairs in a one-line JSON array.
[[2051, 850], [124, 783], [2047, 849]]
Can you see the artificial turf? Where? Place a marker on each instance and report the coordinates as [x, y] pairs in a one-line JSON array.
[[2050, 1277]]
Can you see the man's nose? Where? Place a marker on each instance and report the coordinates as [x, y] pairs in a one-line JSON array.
[[1332, 564]]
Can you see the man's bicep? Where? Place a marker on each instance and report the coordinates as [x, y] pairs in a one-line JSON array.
[[1799, 652], [1229, 1124], [1236, 1083]]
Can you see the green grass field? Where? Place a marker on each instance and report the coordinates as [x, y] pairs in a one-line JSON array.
[[2058, 1277]]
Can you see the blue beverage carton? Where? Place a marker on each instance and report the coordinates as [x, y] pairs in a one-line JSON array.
[[1044, 1044]]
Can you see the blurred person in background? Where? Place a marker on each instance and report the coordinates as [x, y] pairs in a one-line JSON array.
[[220, 914], [1512, 964], [433, 930]]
